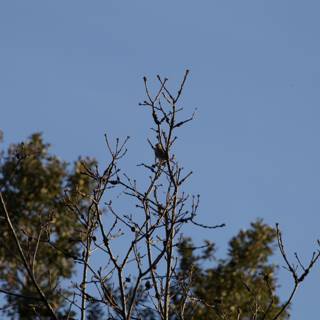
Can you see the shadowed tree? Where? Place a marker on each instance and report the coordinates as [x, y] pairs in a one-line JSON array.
[[32, 183], [240, 286]]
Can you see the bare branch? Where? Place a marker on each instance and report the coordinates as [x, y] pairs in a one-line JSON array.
[[24, 260]]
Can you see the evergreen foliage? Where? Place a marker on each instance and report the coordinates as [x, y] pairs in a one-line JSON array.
[[33, 184]]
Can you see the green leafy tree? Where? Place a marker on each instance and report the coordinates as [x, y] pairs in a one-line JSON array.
[[33, 184], [240, 286]]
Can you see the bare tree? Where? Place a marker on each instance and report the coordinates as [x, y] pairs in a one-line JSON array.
[[154, 230]]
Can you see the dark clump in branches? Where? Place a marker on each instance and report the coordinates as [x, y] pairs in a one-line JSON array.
[[130, 266]]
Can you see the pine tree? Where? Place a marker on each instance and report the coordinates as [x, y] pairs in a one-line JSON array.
[[33, 184], [241, 285]]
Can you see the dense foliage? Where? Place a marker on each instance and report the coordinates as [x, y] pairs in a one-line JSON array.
[[33, 184], [241, 285]]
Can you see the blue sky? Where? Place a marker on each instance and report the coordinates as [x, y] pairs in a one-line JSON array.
[[73, 70]]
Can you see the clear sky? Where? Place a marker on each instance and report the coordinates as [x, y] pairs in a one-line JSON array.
[[73, 70]]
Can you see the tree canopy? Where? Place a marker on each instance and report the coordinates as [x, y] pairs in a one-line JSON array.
[[241, 285], [33, 183], [57, 218]]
